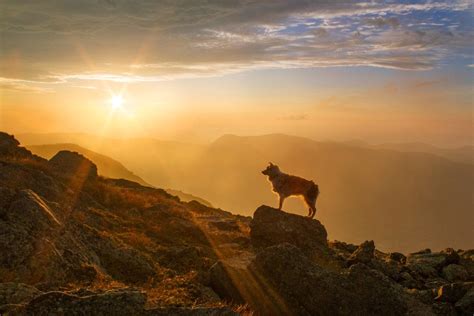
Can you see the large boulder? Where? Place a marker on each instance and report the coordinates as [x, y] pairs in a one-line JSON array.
[[271, 227], [74, 165], [25, 223]]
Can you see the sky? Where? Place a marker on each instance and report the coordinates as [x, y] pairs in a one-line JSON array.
[[192, 70]]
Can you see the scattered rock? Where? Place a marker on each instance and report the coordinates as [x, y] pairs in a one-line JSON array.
[[425, 263], [452, 257], [398, 257], [451, 293], [308, 289], [467, 261], [455, 272], [364, 253], [465, 306]]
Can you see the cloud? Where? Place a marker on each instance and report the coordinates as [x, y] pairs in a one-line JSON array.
[[382, 22], [143, 41], [20, 85]]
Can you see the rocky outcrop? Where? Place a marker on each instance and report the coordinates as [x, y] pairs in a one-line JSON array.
[[26, 221], [271, 227], [290, 274], [73, 164], [10, 148]]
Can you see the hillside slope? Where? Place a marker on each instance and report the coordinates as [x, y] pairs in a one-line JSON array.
[[107, 167]]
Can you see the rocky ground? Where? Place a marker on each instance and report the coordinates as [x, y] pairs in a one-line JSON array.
[[74, 243]]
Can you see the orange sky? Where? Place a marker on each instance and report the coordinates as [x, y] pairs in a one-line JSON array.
[[376, 72]]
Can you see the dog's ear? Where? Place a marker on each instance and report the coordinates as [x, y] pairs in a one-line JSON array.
[[271, 165]]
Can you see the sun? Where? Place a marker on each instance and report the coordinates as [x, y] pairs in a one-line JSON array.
[[117, 102]]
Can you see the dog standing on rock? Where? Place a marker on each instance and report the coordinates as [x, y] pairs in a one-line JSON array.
[[286, 185]]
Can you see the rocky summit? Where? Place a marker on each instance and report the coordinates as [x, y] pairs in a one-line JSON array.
[[75, 243]]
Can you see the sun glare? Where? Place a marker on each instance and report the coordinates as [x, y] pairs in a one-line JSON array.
[[117, 102]]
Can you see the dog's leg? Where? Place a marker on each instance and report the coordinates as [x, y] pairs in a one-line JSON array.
[[282, 199], [310, 204]]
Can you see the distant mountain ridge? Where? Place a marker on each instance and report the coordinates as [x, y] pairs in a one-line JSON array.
[[107, 167]]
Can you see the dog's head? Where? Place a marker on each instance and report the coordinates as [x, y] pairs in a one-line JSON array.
[[271, 170]]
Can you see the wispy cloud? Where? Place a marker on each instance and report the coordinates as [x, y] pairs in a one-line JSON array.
[[145, 41]]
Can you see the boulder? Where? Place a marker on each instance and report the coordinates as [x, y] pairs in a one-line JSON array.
[[398, 257], [74, 165], [452, 257], [455, 272], [271, 227], [426, 264], [465, 306], [119, 260], [451, 293], [364, 253], [31, 212], [467, 261], [25, 223]]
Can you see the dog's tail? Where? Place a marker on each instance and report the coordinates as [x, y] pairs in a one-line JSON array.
[[313, 191]]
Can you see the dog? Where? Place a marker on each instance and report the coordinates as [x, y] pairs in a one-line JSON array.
[[286, 185]]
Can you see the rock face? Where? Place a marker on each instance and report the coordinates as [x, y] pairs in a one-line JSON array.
[[271, 227]]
